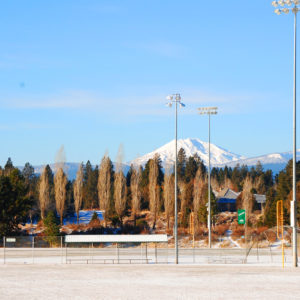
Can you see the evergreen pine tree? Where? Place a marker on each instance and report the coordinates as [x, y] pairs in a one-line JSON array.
[[94, 217], [90, 191], [8, 166], [14, 202], [191, 168], [31, 180], [181, 164], [51, 228], [145, 186], [28, 172]]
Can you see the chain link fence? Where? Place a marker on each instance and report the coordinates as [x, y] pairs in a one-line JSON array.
[[258, 249]]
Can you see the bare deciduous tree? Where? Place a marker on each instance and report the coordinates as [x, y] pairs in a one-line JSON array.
[[78, 190], [247, 196], [154, 189], [104, 185], [215, 184], [183, 198], [199, 187], [259, 185], [136, 194], [120, 194], [169, 190], [229, 184], [44, 193], [60, 183]]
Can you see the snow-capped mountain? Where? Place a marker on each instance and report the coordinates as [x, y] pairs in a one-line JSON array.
[[275, 161], [219, 158], [191, 146]]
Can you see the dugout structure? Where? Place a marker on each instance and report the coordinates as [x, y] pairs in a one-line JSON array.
[[113, 249]]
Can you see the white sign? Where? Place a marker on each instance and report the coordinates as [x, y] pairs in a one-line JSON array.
[[10, 240], [260, 198], [117, 238]]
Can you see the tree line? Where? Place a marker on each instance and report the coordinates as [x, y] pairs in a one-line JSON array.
[[27, 196]]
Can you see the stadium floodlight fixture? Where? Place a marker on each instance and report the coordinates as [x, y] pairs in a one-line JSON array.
[[295, 10], [277, 11], [208, 111], [176, 99]]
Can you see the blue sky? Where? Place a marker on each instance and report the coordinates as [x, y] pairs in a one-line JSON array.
[[93, 74]]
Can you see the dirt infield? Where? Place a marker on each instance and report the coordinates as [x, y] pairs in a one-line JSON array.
[[148, 282]]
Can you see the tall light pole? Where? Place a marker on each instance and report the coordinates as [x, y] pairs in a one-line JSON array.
[[175, 98], [208, 111], [278, 11]]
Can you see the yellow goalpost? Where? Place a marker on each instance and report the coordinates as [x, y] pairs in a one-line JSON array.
[[280, 233]]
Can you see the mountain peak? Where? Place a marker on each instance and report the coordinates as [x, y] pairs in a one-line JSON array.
[[191, 147]]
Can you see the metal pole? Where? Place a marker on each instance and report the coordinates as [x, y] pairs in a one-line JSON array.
[[245, 233], [209, 206], [193, 255], [4, 250], [167, 253], [62, 249], [295, 258], [90, 254], [32, 248], [175, 223], [118, 253], [208, 111], [146, 254]]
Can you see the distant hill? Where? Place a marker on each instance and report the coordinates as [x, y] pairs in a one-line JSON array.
[[70, 169], [275, 161]]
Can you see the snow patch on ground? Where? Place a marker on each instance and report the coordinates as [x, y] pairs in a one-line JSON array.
[[148, 282]]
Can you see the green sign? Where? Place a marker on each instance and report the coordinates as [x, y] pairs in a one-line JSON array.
[[241, 216]]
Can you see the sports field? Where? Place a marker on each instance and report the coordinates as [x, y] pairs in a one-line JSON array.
[[148, 282]]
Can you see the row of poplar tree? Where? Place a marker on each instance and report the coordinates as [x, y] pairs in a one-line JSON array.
[[118, 195], [26, 195]]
